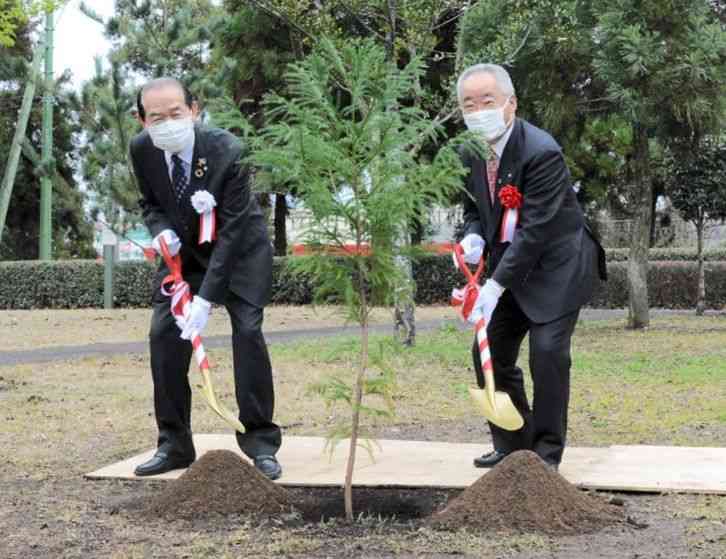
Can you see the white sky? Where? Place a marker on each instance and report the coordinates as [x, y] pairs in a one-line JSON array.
[[78, 39]]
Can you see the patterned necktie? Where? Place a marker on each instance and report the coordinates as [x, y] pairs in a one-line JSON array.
[[492, 168], [178, 179]]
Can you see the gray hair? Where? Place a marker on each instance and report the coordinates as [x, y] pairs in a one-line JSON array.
[[500, 75]]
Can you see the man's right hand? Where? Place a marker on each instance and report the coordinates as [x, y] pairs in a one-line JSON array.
[[473, 246], [172, 242]]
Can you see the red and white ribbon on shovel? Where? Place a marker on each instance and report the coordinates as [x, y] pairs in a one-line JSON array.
[[204, 204], [465, 297], [174, 286], [181, 302], [511, 199], [496, 406]]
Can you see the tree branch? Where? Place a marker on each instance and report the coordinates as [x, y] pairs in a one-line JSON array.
[[271, 11], [510, 60], [448, 21], [362, 21], [391, 35], [440, 119]]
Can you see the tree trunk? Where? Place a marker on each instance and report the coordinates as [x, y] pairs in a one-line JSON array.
[[404, 312], [641, 195], [11, 168], [701, 298], [404, 323], [280, 225], [357, 399], [653, 200]]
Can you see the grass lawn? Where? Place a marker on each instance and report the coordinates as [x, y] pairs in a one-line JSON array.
[[665, 385]]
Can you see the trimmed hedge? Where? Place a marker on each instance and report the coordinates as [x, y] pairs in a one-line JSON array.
[[55, 285], [79, 284], [667, 254], [72, 284], [671, 285]]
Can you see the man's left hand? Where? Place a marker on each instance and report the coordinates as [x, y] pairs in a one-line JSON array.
[[486, 302], [198, 317]]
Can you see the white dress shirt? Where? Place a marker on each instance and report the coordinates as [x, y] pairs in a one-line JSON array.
[[501, 143]]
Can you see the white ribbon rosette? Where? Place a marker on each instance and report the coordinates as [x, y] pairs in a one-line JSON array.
[[204, 204]]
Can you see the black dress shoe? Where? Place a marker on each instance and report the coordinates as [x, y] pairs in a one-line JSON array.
[[490, 460], [268, 466], [161, 463]]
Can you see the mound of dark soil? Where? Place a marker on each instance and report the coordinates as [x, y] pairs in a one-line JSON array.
[[220, 482], [521, 494]]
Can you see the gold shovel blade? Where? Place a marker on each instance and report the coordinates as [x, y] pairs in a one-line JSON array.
[[498, 409], [207, 389]]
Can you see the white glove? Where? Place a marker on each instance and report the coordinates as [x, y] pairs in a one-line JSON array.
[[473, 246], [486, 302], [172, 242], [197, 319], [180, 322]]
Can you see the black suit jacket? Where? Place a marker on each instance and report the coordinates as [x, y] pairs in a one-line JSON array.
[[552, 264], [240, 260]]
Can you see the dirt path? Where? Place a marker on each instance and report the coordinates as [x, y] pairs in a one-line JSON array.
[[63, 353], [43, 336], [29, 330]]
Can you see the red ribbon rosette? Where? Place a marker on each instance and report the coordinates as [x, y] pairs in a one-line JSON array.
[[511, 199]]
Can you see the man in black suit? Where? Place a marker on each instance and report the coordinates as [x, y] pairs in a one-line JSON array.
[[540, 273], [174, 158]]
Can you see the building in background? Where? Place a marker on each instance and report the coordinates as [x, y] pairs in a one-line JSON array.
[[134, 245]]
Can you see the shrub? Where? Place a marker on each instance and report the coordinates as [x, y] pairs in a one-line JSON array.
[[79, 284], [671, 285], [667, 254]]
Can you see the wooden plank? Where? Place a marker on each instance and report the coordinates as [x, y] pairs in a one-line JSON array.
[[449, 465]]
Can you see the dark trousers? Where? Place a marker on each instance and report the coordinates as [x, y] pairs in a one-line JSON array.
[[170, 358], [545, 423]]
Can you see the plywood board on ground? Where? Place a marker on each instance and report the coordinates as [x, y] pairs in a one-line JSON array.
[[439, 464]]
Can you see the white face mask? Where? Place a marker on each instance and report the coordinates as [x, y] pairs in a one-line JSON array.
[[172, 135], [488, 122]]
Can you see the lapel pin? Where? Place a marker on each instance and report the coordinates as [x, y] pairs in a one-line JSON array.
[[201, 167]]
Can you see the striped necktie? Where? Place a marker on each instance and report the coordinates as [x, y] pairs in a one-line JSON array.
[[492, 168], [178, 179]]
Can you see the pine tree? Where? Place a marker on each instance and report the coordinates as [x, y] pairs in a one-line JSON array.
[[663, 63], [418, 28], [105, 108]]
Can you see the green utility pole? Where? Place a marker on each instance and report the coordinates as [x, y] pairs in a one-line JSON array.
[[46, 181], [11, 169]]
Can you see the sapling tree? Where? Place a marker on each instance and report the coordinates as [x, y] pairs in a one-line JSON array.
[[345, 138]]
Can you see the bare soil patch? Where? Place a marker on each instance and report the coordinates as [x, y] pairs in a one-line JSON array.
[[521, 494], [220, 482]]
